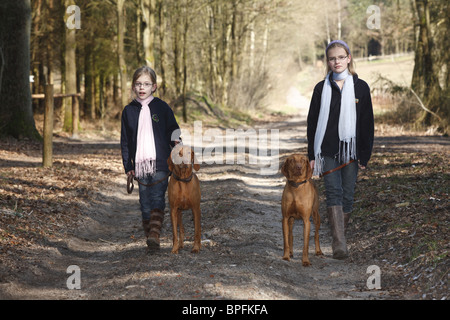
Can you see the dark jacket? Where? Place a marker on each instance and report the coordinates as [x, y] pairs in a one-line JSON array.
[[164, 124], [364, 121]]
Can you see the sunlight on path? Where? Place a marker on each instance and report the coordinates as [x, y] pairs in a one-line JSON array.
[[295, 99]]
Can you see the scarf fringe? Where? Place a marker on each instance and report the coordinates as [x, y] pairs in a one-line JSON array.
[[145, 168], [318, 165], [347, 150]]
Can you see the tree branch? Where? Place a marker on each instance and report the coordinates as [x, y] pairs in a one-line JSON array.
[[423, 106]]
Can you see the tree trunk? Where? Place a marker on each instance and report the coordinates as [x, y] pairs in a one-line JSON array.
[[327, 24], [49, 48], [139, 45], [16, 112], [252, 48], [185, 33], [425, 81], [212, 70], [234, 42], [148, 17], [339, 27], [37, 86], [121, 52], [162, 46], [47, 150], [176, 50], [225, 56], [89, 94], [265, 44], [71, 73]]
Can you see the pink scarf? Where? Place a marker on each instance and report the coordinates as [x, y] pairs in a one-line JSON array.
[[145, 151]]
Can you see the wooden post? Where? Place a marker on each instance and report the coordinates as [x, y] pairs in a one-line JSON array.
[[47, 155], [75, 116]]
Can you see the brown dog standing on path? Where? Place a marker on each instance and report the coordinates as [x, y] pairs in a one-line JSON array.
[[184, 193], [299, 201]]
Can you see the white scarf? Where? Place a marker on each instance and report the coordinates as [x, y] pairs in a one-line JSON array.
[[347, 120], [145, 150]]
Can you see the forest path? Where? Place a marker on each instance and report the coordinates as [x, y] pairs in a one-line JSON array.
[[242, 247]]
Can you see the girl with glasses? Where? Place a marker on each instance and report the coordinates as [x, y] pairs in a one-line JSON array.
[[340, 134], [148, 124]]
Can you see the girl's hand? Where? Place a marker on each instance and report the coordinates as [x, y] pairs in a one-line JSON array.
[[312, 163], [131, 172], [361, 167]]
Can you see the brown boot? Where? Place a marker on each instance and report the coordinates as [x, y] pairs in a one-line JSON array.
[[156, 220], [339, 244]]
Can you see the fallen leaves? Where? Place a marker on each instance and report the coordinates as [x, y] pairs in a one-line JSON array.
[[38, 203], [401, 219]]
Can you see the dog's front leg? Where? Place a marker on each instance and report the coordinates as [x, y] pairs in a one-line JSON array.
[[291, 237], [285, 224], [174, 218], [306, 231], [197, 229], [181, 227]]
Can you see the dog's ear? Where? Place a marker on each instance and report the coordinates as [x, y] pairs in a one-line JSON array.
[[285, 168], [195, 161], [170, 162]]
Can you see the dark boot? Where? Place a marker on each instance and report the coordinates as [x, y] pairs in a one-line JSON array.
[[339, 244], [156, 220]]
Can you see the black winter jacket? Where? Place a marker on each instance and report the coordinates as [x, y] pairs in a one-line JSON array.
[[164, 124], [364, 121]]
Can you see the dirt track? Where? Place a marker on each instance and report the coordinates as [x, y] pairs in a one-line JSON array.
[[241, 244]]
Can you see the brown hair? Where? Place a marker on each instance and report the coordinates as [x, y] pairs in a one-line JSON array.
[[351, 65], [141, 71]]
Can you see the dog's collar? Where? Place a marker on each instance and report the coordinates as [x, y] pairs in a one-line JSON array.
[[183, 180], [297, 184]]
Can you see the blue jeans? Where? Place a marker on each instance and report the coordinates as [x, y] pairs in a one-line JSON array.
[[153, 197], [340, 185]]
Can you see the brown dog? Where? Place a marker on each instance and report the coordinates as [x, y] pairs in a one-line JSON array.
[[184, 193], [300, 200]]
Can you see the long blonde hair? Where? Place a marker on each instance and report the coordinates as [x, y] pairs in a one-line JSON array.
[[351, 65]]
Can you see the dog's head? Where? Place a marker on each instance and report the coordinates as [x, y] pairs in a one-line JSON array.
[[181, 161], [297, 167]]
